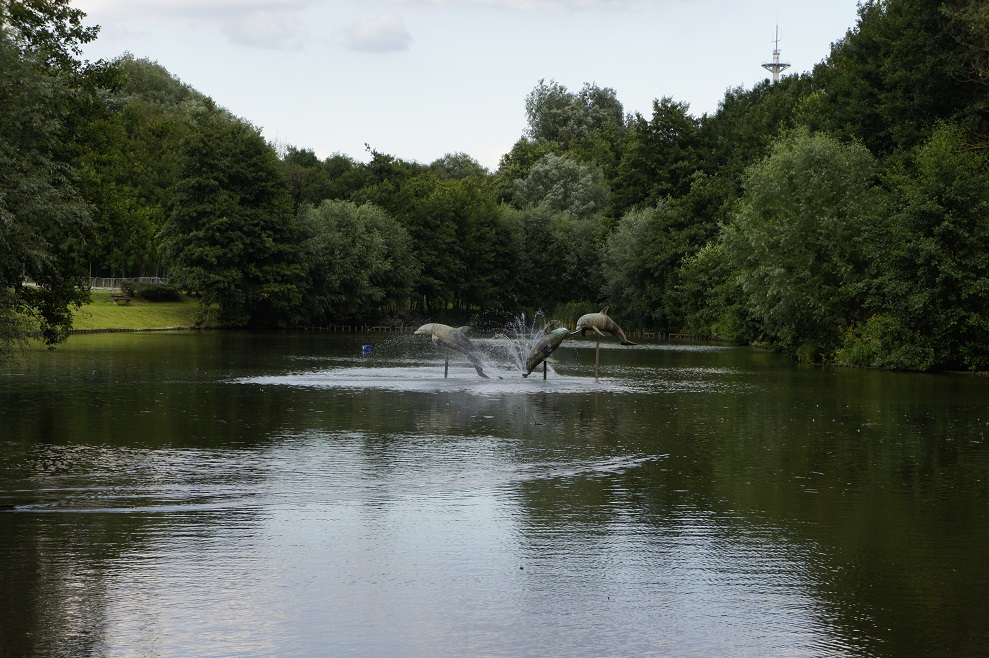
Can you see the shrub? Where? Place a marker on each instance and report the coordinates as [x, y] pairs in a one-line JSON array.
[[152, 292]]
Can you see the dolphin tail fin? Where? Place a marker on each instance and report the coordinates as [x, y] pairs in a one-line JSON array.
[[628, 342], [474, 361]]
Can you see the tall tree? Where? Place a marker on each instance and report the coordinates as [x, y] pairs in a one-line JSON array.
[[457, 165], [895, 75], [661, 156], [562, 185], [43, 218], [937, 279], [231, 232], [643, 256], [799, 241], [358, 261], [587, 127], [51, 32], [131, 166]]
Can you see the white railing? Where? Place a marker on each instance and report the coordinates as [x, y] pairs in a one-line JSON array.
[[114, 284]]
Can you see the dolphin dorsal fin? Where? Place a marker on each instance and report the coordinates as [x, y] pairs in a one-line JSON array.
[[604, 311], [464, 329]]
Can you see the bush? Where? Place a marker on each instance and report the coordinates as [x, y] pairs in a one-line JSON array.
[[152, 292], [882, 342]]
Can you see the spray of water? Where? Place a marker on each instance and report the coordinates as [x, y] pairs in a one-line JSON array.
[[518, 338]]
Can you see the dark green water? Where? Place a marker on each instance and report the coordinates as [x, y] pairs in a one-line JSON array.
[[281, 495]]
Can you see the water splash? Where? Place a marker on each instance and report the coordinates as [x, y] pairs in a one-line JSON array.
[[518, 339]]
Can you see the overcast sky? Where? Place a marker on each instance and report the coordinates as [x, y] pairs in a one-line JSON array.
[[421, 78]]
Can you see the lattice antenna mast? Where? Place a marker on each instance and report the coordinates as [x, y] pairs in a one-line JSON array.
[[776, 66]]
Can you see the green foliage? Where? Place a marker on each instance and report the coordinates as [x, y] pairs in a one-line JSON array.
[[231, 233], [644, 254], [560, 258], [312, 182], [586, 127], [883, 342], [970, 27], [627, 276], [799, 240], [359, 264], [132, 164], [748, 122], [149, 83], [457, 165], [42, 216], [14, 326], [49, 32], [937, 273], [152, 292], [562, 185], [660, 156], [892, 78], [555, 114]]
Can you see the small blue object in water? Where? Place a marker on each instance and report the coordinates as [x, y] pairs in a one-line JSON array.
[[366, 350]]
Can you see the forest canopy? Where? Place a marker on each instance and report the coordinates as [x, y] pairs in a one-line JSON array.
[[840, 215]]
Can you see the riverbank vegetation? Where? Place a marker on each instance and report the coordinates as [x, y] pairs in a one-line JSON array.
[[840, 215]]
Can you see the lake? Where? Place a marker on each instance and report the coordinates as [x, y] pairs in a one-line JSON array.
[[238, 494]]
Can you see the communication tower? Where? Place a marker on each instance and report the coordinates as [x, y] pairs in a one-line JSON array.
[[776, 66]]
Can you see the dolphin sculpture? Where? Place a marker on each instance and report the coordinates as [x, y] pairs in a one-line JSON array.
[[454, 338], [599, 323], [548, 342]]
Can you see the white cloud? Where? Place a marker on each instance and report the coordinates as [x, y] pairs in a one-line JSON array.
[[255, 23], [526, 5], [385, 33], [188, 8], [264, 29]]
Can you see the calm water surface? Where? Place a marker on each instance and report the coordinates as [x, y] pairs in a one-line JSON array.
[[223, 494]]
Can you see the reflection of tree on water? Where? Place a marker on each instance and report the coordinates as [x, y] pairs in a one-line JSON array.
[[54, 586]]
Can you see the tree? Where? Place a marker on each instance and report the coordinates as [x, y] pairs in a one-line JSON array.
[[309, 183], [131, 166], [895, 75], [231, 233], [661, 156], [970, 27], [645, 252], [560, 258], [585, 127], [43, 218], [50, 32], [358, 261], [627, 277], [710, 298], [800, 241], [936, 283], [457, 165], [562, 185]]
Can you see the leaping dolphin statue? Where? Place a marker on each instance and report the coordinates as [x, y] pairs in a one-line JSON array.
[[548, 342], [454, 338], [599, 323]]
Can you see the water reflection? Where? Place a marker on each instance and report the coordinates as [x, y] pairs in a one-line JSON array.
[[226, 494]]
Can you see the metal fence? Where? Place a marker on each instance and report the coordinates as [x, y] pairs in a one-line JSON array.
[[114, 284]]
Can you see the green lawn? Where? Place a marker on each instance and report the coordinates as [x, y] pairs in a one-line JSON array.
[[102, 313]]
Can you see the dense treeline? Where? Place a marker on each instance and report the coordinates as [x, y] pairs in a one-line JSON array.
[[841, 215]]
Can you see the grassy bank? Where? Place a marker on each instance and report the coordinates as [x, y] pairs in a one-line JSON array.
[[102, 313]]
